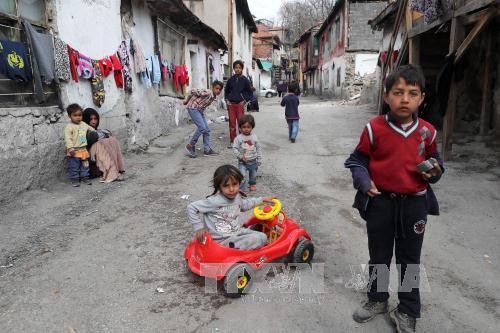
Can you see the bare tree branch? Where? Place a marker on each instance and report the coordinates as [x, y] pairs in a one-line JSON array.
[[298, 16]]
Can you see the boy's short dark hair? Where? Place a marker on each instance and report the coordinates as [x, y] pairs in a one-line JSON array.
[[412, 74], [218, 83], [238, 62], [248, 118], [292, 87], [72, 108]]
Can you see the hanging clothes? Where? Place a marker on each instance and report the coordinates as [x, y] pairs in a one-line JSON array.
[[97, 85], [432, 9], [126, 70], [181, 77], [42, 46], [105, 66], [139, 59], [117, 70], [14, 61], [164, 68], [61, 59], [74, 57], [156, 77], [146, 75], [85, 67]]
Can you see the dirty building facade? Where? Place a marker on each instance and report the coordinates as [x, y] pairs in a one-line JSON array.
[[348, 48], [267, 50], [308, 50], [31, 146]]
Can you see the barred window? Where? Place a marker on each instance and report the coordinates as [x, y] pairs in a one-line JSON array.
[[11, 12], [171, 46]]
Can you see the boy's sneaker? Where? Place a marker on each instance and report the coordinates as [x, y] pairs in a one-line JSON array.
[[86, 180], [368, 311], [253, 187], [75, 182], [210, 152], [403, 322], [293, 140], [191, 150]]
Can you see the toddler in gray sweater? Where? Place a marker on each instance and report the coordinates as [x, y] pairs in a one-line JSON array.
[[219, 214]]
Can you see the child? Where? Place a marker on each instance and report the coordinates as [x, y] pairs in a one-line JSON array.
[[238, 90], [75, 138], [221, 212], [393, 197], [291, 104], [106, 159], [197, 101], [247, 149]]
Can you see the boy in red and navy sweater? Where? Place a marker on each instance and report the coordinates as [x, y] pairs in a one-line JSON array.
[[393, 197]]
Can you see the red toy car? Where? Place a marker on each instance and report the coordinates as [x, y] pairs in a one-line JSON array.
[[285, 238]]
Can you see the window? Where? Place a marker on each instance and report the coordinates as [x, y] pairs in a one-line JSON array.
[[338, 77], [337, 31], [326, 79], [315, 45], [171, 46], [11, 12]]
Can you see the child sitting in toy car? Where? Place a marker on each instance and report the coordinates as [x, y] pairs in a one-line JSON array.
[[221, 212]]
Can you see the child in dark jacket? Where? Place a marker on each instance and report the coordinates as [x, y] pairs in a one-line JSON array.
[[238, 90], [394, 196], [291, 104]]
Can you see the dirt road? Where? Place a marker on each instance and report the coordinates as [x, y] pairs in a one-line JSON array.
[[92, 258]]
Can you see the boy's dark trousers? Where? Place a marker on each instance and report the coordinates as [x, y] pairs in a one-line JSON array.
[[77, 168], [399, 220]]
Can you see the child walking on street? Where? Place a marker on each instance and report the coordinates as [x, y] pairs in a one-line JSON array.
[[394, 196], [75, 138], [247, 149], [238, 90], [220, 212], [197, 101], [291, 103]]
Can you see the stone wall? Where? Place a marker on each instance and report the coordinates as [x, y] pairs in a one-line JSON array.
[[31, 148]]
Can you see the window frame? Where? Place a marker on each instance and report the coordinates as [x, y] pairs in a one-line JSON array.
[[166, 88], [23, 95]]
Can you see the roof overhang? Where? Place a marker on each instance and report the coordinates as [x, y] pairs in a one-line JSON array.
[[176, 12], [384, 17], [242, 7]]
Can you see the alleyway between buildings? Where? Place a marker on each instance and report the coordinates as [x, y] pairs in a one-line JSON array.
[[91, 259]]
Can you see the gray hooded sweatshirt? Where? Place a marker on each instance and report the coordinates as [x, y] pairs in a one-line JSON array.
[[220, 215]]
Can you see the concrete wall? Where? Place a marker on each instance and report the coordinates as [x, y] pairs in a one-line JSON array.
[[213, 13], [365, 63], [360, 35], [242, 42]]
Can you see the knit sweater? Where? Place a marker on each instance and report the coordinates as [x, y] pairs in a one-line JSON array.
[[75, 135]]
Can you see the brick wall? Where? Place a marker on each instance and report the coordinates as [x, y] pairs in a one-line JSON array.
[[262, 49], [360, 34]]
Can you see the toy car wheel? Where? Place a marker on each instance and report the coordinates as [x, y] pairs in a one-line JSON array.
[[238, 280], [303, 252]]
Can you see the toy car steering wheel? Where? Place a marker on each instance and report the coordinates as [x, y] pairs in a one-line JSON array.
[[266, 211]]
